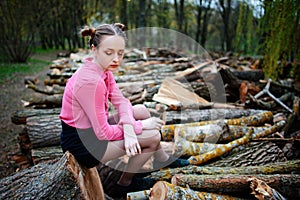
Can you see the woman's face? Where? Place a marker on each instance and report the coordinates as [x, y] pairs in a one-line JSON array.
[[109, 54]]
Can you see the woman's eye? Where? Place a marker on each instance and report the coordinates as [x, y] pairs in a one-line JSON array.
[[120, 53], [108, 53]]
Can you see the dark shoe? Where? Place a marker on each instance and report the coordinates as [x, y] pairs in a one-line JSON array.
[[172, 162], [137, 184]]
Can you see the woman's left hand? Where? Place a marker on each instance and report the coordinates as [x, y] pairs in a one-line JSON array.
[[132, 145]]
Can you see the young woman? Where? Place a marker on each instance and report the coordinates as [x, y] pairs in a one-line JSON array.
[[93, 136]]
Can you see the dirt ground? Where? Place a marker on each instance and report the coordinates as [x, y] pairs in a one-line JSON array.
[[12, 92]]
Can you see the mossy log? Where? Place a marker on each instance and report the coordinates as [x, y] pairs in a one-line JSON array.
[[163, 190], [62, 179], [219, 151], [20, 116], [286, 184], [215, 133], [260, 119], [285, 167], [196, 115], [183, 147], [44, 131]]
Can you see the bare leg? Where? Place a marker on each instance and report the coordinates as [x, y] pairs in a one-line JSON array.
[[149, 145], [140, 112]]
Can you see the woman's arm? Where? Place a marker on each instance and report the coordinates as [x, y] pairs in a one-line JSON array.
[[92, 98]]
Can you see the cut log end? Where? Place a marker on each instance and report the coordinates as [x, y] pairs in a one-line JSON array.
[[159, 191]]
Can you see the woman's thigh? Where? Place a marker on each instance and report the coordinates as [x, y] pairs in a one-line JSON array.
[[114, 150]]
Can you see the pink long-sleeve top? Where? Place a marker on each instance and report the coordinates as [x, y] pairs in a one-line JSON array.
[[85, 103]]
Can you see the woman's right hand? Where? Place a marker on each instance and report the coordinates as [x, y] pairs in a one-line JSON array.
[[152, 123]]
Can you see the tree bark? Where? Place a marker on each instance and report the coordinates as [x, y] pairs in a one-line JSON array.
[[262, 191], [20, 116], [45, 101], [194, 115], [167, 131], [45, 154], [64, 178], [287, 184], [163, 190], [219, 151], [285, 167], [44, 131], [253, 154]]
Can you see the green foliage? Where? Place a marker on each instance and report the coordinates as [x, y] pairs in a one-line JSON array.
[[17, 35], [10, 70], [280, 23], [246, 38]]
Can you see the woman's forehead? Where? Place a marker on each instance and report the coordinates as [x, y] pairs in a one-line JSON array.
[[114, 42]]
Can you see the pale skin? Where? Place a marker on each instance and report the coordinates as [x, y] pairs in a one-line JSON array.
[[108, 55]]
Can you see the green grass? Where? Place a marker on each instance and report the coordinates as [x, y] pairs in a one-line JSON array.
[[10, 70]]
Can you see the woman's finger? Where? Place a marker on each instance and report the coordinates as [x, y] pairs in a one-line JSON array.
[[139, 150]]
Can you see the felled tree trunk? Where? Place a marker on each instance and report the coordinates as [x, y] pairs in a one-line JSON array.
[[65, 178], [45, 101], [20, 116], [285, 167], [219, 151], [288, 184], [163, 190], [260, 119], [194, 115], [254, 154], [46, 154], [44, 131], [215, 133]]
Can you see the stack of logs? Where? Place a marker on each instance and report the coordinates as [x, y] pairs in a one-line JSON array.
[[248, 143]]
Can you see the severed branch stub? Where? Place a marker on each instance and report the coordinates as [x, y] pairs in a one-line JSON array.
[[262, 191]]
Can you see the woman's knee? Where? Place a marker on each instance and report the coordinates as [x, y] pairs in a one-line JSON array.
[[140, 112]]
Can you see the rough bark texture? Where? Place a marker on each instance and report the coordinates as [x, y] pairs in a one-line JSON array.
[[64, 178], [288, 184], [253, 154], [165, 191], [271, 168], [194, 115], [219, 151], [20, 116], [260, 119], [45, 101], [46, 154], [262, 191], [44, 131]]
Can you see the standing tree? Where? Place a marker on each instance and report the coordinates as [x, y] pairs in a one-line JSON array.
[[225, 10], [18, 29], [280, 22]]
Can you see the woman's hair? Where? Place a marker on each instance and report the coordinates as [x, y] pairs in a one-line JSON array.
[[96, 34]]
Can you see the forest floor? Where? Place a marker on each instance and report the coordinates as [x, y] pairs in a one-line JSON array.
[[12, 91]]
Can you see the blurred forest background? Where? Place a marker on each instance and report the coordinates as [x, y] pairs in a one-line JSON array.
[[266, 28]]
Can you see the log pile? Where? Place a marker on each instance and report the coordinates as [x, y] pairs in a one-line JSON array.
[[234, 147]]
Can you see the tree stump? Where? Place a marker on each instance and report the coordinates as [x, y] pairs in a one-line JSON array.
[[62, 179]]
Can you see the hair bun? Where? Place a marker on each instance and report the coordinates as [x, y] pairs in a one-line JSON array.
[[119, 25], [88, 31]]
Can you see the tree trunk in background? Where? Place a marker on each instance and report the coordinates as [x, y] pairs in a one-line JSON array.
[[225, 14], [205, 24], [123, 13]]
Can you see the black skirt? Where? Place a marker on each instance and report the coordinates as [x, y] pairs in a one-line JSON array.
[[83, 144]]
